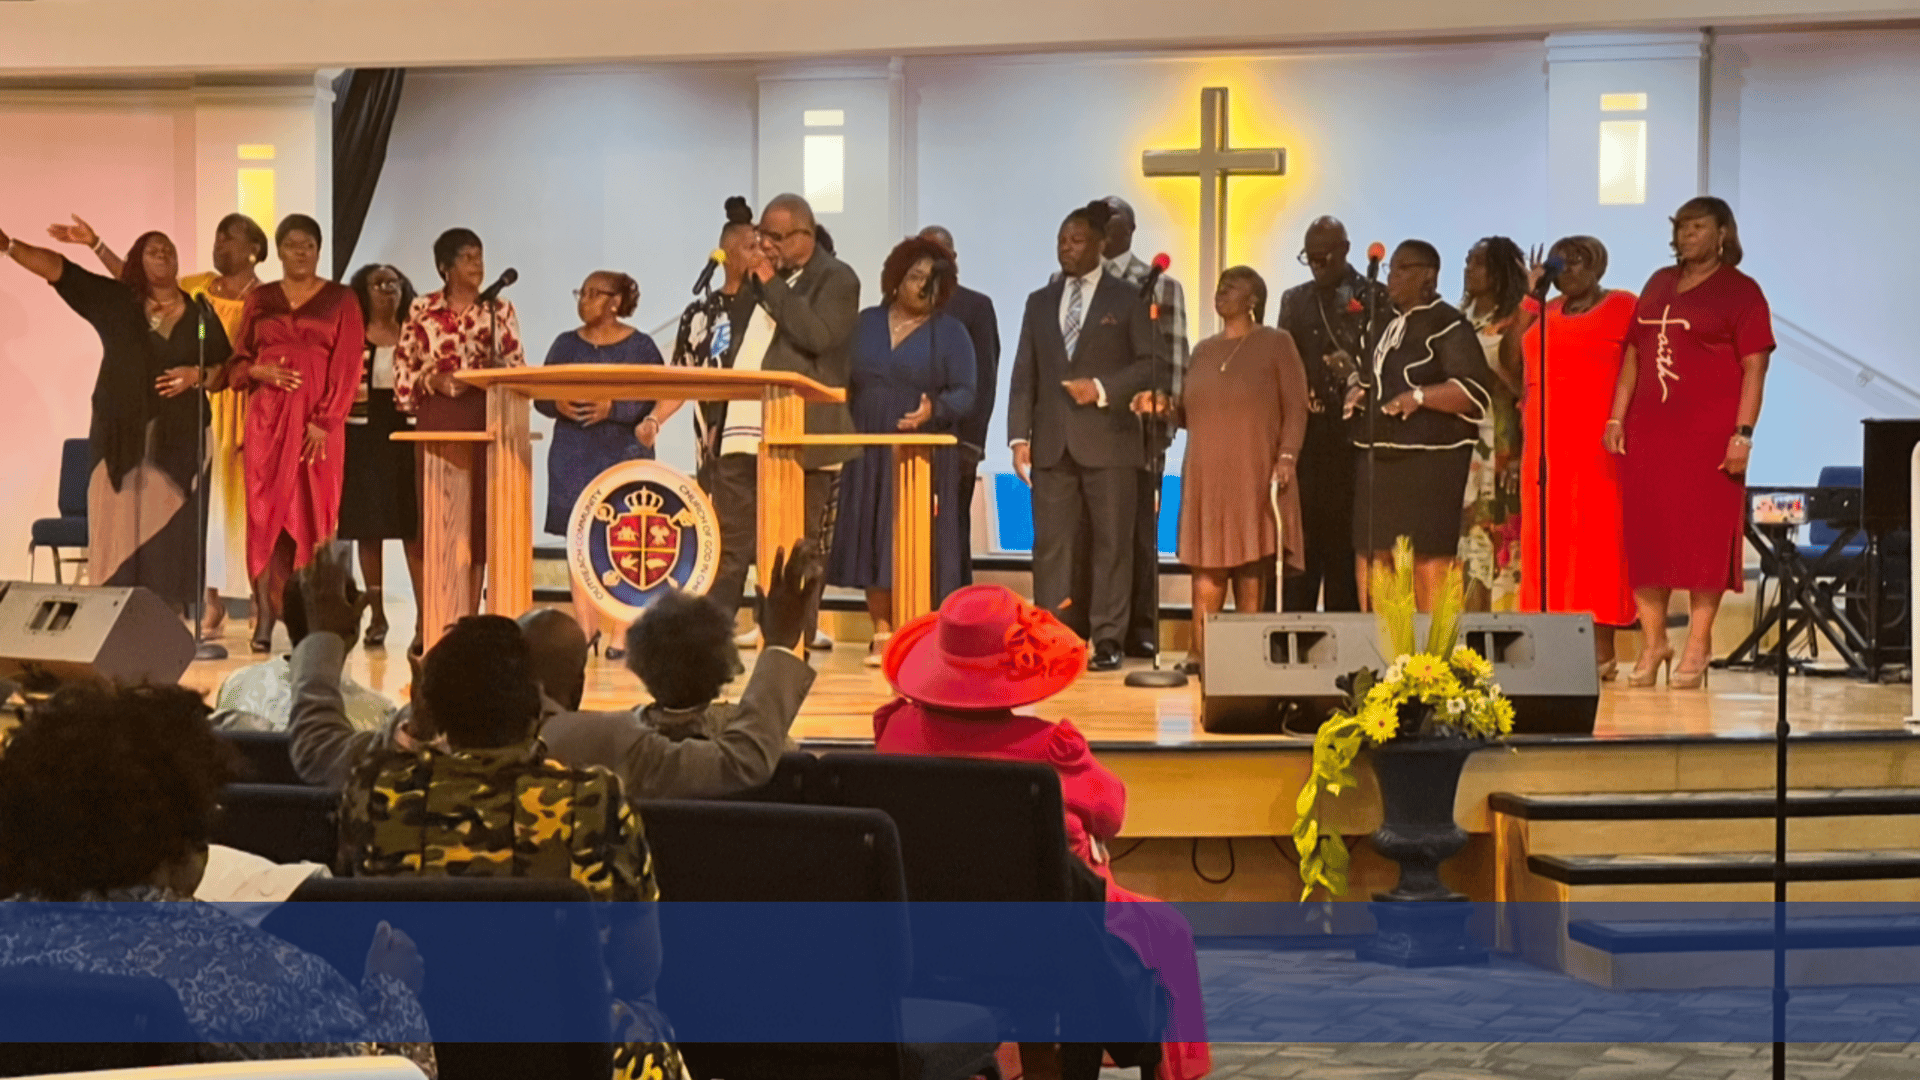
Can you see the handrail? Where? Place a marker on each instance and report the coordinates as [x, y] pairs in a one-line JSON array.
[[1884, 394]]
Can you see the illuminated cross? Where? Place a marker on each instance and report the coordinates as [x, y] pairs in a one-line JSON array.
[[1212, 163]]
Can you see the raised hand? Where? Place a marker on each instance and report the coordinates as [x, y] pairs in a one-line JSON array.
[[394, 953], [79, 233], [333, 606], [797, 582], [1536, 268]]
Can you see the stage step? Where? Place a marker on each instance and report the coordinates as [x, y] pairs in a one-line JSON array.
[[1724, 868], [1705, 805], [1862, 950]]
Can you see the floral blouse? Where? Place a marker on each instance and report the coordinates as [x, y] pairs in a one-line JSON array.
[[436, 338], [249, 995]]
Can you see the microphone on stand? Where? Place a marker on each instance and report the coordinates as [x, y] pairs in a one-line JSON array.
[[1549, 276], [1376, 251], [507, 277], [714, 262], [1147, 284]]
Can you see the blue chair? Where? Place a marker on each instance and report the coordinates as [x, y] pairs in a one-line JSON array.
[[69, 530]]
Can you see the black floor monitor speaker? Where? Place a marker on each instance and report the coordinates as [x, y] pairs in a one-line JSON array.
[[1275, 674], [52, 634]]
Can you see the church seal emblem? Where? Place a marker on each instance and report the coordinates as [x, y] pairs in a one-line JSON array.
[[638, 530]]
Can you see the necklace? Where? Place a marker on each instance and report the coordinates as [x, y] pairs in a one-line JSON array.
[[901, 327], [1236, 350], [157, 313]]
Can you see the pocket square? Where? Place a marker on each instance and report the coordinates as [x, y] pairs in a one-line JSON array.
[[1109, 320]]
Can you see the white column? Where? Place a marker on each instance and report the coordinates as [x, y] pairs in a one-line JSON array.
[[264, 150], [1626, 141], [836, 133]]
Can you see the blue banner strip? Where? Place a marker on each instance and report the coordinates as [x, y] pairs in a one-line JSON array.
[[991, 972]]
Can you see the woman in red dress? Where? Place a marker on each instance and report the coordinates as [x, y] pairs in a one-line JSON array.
[[960, 673], [1587, 331], [1682, 422], [298, 359]]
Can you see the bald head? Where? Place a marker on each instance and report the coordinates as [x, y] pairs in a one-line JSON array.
[[559, 654], [939, 235], [1325, 251]]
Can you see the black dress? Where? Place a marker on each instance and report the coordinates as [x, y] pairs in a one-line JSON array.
[[378, 499], [146, 495], [1417, 481]]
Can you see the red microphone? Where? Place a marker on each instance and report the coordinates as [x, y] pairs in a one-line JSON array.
[[1160, 264], [1376, 251]]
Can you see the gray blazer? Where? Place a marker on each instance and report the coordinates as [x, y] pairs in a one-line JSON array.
[[1115, 346], [814, 321], [656, 765], [325, 746]]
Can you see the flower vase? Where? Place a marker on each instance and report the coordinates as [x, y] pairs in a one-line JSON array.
[[1421, 923]]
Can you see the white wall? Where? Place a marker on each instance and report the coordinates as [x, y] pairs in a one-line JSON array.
[[562, 173], [1816, 142], [1442, 143]]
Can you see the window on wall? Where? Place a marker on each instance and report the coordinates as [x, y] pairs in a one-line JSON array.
[[1623, 152], [823, 162], [256, 183]]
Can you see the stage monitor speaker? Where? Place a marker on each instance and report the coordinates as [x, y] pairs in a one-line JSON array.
[[52, 634], [1275, 674]]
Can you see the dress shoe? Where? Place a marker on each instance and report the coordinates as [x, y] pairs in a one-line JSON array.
[[1106, 657], [1143, 649]]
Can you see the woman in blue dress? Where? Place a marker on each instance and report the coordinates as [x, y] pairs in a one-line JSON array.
[[912, 371], [590, 437]]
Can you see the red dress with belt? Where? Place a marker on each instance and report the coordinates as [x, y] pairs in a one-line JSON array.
[[1683, 514], [1096, 806], [324, 340], [1587, 563]]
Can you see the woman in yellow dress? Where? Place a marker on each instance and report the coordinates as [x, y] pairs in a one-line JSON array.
[[239, 245]]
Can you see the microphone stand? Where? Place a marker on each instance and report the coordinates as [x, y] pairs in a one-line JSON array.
[[1540, 480], [203, 649], [1374, 376], [1151, 434]]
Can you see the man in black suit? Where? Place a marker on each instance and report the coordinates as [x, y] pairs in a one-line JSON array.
[[1086, 347], [975, 312]]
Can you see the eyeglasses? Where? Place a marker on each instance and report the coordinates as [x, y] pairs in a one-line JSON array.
[[386, 286], [1324, 258], [781, 238], [582, 294]]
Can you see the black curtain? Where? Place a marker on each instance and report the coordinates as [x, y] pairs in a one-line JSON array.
[[364, 102]]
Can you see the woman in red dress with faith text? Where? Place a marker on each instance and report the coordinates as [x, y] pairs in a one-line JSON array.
[[1587, 328], [960, 673], [1682, 421], [298, 358]]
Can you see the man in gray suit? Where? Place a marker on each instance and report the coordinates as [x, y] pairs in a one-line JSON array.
[[1086, 347], [814, 301]]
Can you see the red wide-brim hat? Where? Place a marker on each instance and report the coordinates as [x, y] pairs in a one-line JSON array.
[[985, 649]]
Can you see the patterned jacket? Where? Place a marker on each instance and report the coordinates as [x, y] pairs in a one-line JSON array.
[[511, 812]]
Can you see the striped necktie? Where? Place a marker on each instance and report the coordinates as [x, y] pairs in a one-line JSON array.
[[1071, 328]]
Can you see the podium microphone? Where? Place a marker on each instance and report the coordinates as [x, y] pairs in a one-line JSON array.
[[1550, 272], [1147, 284], [507, 277], [1376, 251], [714, 262]]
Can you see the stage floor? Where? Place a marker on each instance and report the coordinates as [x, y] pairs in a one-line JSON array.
[[1113, 715]]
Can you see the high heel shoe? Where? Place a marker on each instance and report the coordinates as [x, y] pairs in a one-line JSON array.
[[1649, 676], [1607, 670], [1687, 680], [593, 645], [376, 635]]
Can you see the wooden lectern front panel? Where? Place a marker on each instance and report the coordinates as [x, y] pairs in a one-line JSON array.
[[446, 514], [912, 532], [510, 495], [783, 484]]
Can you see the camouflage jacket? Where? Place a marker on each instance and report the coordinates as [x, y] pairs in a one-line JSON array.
[[506, 812]]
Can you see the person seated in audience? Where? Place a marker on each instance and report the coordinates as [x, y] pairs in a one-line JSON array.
[[682, 649], [961, 673], [265, 689], [324, 743], [110, 795], [494, 804]]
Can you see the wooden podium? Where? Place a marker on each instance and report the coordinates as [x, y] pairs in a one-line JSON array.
[[445, 512]]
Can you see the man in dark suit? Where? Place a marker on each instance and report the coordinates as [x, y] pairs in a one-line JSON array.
[[1086, 347], [814, 301], [975, 312]]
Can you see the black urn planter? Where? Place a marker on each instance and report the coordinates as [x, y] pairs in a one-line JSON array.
[[1421, 923]]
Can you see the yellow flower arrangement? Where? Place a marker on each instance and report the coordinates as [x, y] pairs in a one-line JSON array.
[[1443, 691]]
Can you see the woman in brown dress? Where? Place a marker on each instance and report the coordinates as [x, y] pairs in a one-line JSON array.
[[1245, 411]]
